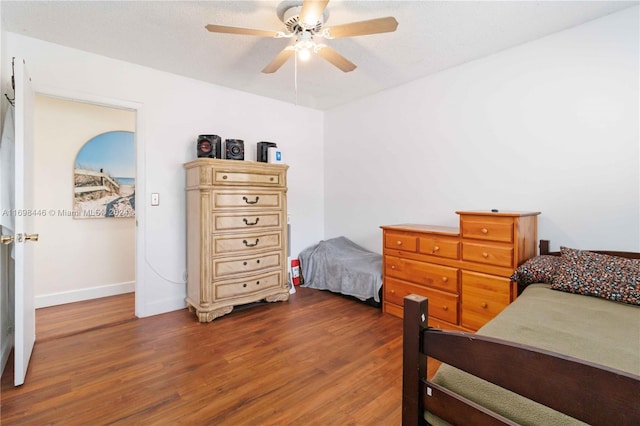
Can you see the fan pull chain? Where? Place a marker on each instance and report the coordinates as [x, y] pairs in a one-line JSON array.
[[295, 74]]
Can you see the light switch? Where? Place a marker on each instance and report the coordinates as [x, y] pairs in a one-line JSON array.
[[155, 199]]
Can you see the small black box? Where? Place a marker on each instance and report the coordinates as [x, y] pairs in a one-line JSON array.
[[209, 146], [262, 151], [234, 149]]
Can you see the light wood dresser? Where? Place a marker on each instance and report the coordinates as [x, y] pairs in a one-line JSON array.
[[236, 235], [464, 271]]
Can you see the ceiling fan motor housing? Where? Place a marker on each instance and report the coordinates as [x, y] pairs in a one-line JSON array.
[[291, 19]]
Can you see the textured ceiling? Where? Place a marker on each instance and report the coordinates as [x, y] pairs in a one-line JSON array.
[[170, 36]]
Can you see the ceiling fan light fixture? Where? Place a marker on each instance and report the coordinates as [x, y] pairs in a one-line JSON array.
[[304, 54], [304, 45]]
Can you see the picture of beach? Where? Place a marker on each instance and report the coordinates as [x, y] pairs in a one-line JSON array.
[[104, 177]]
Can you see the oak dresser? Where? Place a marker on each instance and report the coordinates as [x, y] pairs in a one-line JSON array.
[[236, 235], [464, 271]]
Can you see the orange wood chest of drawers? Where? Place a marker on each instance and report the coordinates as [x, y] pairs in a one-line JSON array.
[[464, 271], [236, 235]]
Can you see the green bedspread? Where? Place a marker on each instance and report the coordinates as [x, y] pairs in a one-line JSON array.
[[585, 327]]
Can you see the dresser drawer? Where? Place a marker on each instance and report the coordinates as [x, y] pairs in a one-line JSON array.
[[249, 199], [228, 177], [247, 243], [246, 220], [224, 267], [442, 277], [487, 228], [489, 254], [441, 247], [483, 297], [399, 241], [257, 283], [441, 305]]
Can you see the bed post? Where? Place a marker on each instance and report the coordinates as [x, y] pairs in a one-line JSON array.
[[544, 247], [413, 362]]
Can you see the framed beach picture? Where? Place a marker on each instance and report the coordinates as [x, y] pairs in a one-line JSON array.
[[104, 177]]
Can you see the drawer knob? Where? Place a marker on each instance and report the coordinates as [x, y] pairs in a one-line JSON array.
[[399, 242], [393, 292], [484, 305], [251, 245], [445, 308], [244, 285], [484, 230], [224, 177], [393, 266], [485, 254], [436, 248], [246, 200], [271, 178], [244, 263], [258, 261], [246, 221], [257, 282]]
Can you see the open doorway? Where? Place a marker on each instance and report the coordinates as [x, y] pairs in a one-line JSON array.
[[79, 258]]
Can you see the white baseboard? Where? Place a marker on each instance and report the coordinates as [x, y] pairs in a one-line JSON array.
[[7, 345], [61, 298]]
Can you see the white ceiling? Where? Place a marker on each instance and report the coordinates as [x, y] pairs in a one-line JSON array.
[[170, 36]]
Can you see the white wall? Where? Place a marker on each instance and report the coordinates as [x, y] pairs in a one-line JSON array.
[[173, 110], [77, 259], [550, 126]]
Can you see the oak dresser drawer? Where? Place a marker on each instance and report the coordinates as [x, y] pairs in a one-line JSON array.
[[483, 297], [226, 266], [224, 177], [441, 305], [246, 220], [257, 283], [493, 229], [231, 244], [489, 254], [398, 241], [246, 199], [441, 247], [442, 277]]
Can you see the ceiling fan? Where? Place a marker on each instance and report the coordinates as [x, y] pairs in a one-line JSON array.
[[305, 21]]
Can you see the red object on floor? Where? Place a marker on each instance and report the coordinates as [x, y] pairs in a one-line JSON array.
[[295, 271]]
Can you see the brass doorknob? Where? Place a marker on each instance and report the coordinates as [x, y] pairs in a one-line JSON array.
[[31, 237], [6, 239]]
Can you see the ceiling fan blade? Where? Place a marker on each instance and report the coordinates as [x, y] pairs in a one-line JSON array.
[[312, 11], [336, 59], [237, 30], [279, 60], [372, 26]]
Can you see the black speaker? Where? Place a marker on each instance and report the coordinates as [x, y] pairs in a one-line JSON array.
[[234, 149], [209, 146], [262, 151]]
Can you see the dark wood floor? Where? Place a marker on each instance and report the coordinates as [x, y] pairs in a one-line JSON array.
[[319, 359], [66, 320]]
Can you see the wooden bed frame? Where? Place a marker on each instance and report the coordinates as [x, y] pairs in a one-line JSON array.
[[525, 370]]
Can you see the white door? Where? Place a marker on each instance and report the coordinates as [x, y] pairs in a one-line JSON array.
[[25, 312]]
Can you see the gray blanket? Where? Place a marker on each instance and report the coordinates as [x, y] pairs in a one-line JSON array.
[[342, 266]]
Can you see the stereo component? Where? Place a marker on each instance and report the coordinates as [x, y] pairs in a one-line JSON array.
[[262, 151], [234, 149], [209, 146]]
